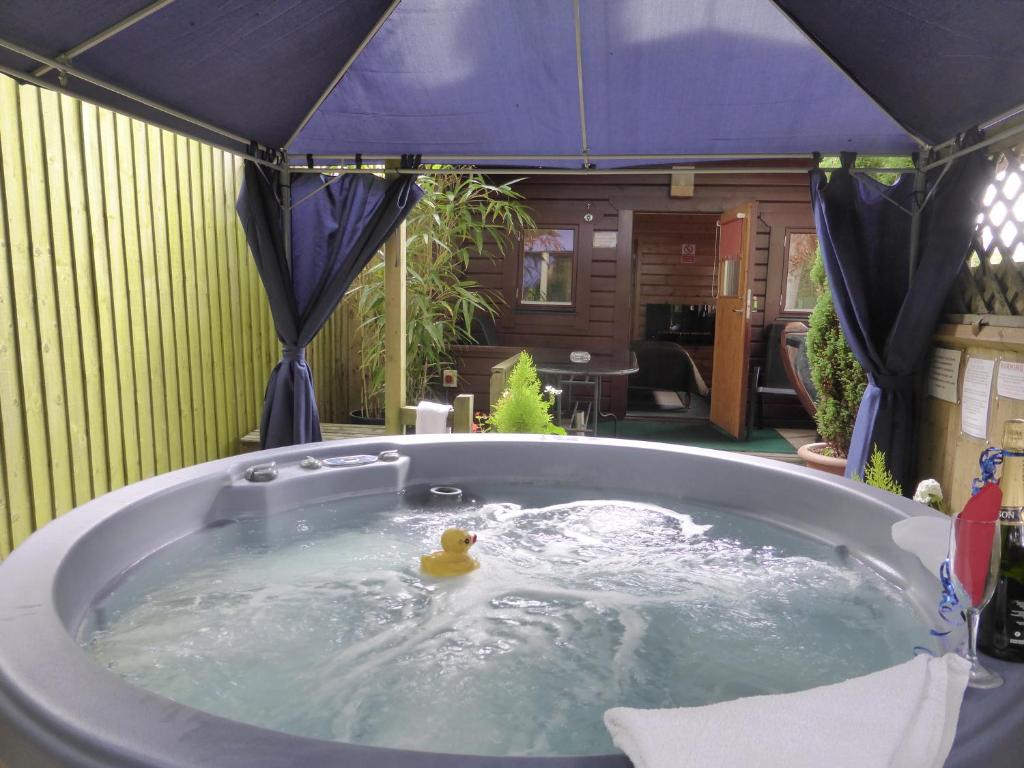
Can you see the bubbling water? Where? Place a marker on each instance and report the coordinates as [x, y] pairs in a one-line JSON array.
[[318, 622]]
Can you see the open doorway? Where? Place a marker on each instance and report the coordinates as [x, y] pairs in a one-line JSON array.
[[673, 315]]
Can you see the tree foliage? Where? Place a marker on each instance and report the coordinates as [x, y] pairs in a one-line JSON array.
[[523, 407], [874, 161], [838, 377], [877, 474]]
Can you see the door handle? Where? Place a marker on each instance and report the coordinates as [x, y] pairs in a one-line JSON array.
[[751, 299]]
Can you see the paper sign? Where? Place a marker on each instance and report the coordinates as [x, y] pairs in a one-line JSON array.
[[1011, 380], [974, 403], [943, 373], [606, 239], [689, 253]]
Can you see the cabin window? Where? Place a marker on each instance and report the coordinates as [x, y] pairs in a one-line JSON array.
[[546, 278], [799, 292]]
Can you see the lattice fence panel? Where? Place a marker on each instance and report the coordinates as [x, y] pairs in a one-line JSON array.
[[992, 279]]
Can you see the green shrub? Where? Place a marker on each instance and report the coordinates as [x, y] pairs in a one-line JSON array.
[[877, 474], [837, 375], [523, 407]]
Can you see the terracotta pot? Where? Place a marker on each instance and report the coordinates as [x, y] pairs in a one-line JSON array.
[[812, 458]]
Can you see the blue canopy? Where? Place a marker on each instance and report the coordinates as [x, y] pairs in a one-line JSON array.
[[623, 79]]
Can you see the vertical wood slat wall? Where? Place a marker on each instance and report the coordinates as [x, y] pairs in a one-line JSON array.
[[135, 337]]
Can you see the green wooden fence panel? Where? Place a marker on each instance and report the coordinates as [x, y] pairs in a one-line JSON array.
[[135, 336]]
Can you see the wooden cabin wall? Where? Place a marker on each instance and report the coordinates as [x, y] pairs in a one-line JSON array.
[[601, 282], [604, 276], [135, 337]]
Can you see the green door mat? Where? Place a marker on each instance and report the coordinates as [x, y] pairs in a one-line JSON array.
[[697, 435]]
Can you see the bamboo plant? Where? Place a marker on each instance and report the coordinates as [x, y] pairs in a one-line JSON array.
[[459, 217]]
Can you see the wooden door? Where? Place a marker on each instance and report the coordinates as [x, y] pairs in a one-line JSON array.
[[730, 369]]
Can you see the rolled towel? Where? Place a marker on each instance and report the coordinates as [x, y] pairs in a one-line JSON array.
[[925, 536], [432, 418], [901, 717]]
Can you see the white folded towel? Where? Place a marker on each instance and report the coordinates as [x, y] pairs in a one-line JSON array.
[[901, 717], [926, 537], [432, 418]]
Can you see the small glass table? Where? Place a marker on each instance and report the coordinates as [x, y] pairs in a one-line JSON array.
[[556, 363]]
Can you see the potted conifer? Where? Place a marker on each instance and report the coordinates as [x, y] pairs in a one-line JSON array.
[[838, 377]]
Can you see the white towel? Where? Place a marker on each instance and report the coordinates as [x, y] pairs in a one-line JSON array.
[[901, 717], [432, 418], [926, 537]]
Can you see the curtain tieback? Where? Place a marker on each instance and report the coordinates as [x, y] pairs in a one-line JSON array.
[[292, 354], [899, 383]]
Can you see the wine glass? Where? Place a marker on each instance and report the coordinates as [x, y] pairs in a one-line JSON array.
[[974, 553]]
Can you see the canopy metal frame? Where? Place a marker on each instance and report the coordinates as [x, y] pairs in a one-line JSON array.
[[592, 171], [577, 28], [344, 69], [828, 56], [65, 69], [105, 34], [1012, 122]]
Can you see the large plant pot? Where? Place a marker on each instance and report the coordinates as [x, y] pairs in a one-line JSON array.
[[356, 417], [813, 458]]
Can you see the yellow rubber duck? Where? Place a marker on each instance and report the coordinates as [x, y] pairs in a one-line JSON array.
[[454, 560]]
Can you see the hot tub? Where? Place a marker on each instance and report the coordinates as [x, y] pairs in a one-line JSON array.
[[95, 566]]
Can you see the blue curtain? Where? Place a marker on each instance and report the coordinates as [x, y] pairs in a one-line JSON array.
[[888, 319], [335, 231]]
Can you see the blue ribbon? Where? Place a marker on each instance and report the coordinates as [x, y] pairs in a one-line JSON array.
[[948, 602], [949, 611], [990, 458]]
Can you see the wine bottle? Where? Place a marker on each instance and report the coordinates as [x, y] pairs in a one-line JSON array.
[[1001, 633]]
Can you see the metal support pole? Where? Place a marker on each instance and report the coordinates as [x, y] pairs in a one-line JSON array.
[[916, 206], [535, 160], [112, 88], [528, 172], [394, 324], [579, 84], [286, 214], [1005, 135], [104, 35], [344, 70]]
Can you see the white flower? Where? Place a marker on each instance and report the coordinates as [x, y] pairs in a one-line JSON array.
[[928, 492], [551, 390]]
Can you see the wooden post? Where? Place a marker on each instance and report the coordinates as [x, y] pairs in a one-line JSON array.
[[394, 327], [499, 377], [463, 417]]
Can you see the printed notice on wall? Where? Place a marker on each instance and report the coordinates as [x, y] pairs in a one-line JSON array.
[[943, 372], [1011, 380], [974, 403], [606, 238]]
